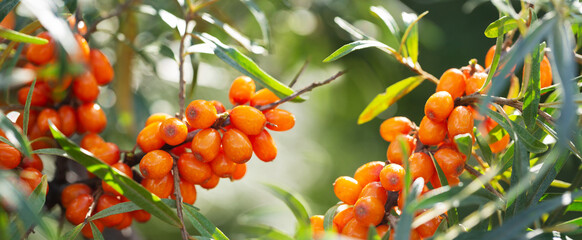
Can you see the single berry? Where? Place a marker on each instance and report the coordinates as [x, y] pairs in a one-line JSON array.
[[107, 201], [545, 73], [395, 126], [157, 117], [107, 152], [239, 172], [347, 189], [201, 114], [206, 145], [123, 168], [264, 146], [392, 177], [10, 157], [279, 119], [91, 139], [211, 183], [33, 162], [46, 115], [188, 192], [355, 229], [85, 87], [91, 118], [439, 106], [219, 107], [223, 167], [141, 215], [68, 118], [375, 190], [475, 82], [73, 191], [369, 211], [41, 53], [369, 172], [247, 119], [460, 121], [452, 81], [78, 208], [263, 97], [344, 214], [87, 231], [450, 161], [149, 138], [173, 131], [156, 164], [317, 230], [241, 90], [192, 170], [395, 153], [420, 165], [100, 67], [237, 146], [161, 187], [431, 132]]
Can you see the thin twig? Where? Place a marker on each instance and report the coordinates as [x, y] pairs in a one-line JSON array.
[[302, 91], [488, 186], [578, 58], [182, 94], [179, 198], [116, 12], [479, 159], [299, 73], [474, 98]]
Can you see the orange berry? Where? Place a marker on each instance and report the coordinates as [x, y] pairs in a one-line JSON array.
[[263, 97], [32, 116], [157, 117], [78, 208], [222, 167], [81, 26], [87, 231], [475, 82], [241, 90], [395, 126], [237, 146], [40, 54], [347, 189], [489, 56], [149, 138], [123, 168], [156, 164], [369, 211], [141, 215], [125, 222], [107, 152], [545, 73], [355, 229], [46, 115], [499, 145], [68, 118], [431, 132], [344, 214], [392, 177], [452, 81], [85, 87], [382, 230], [421, 165], [33, 162], [107, 201], [247, 119], [264, 146], [200, 114], [467, 70], [73, 191], [439, 106], [395, 153], [100, 67], [206, 144], [188, 192], [173, 131], [8, 21], [450, 161], [369, 172], [161, 187], [317, 229], [239, 171], [460, 121], [219, 107], [211, 183], [192, 170], [39, 96], [83, 47], [31, 176], [428, 229], [91, 117], [9, 157], [375, 190], [91, 139], [279, 119]]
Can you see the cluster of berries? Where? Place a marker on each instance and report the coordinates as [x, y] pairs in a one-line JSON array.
[[211, 142]]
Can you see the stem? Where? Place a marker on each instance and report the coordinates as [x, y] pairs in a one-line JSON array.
[[299, 73], [182, 94], [475, 98], [116, 12], [179, 199], [488, 186]]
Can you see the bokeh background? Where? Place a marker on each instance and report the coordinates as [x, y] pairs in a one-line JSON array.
[[326, 141]]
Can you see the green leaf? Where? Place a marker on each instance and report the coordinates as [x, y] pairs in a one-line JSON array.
[[293, 203], [357, 45], [384, 100], [52, 151], [38, 196], [531, 143], [26, 117], [532, 95], [96, 233], [14, 136], [546, 173], [442, 177], [393, 31], [484, 147], [464, 143], [373, 234], [261, 19], [263, 231], [328, 217], [118, 181], [236, 35], [115, 209], [501, 26], [202, 224], [247, 66], [71, 5], [73, 233], [20, 37], [6, 6], [356, 33], [410, 38], [404, 224], [447, 193]]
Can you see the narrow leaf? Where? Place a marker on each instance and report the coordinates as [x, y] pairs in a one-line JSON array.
[[207, 226], [236, 35], [531, 143], [264, 232], [20, 37], [329, 215], [293, 203], [501, 26], [394, 33], [261, 19], [96, 233], [356, 33], [14, 135], [532, 95], [6, 6], [357, 45], [404, 224]]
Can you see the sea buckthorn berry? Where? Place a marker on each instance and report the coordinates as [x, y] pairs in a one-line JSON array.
[[239, 172], [46, 115], [241, 90], [428, 229], [78, 208], [392, 177], [369, 211], [206, 145], [84, 49], [347, 189], [41, 53], [219, 107], [39, 97], [452, 81], [450, 161], [192, 170], [31, 176], [91, 118], [279, 119], [436, 183], [157, 117], [123, 168], [85, 87], [468, 71], [460, 121], [32, 116], [141, 215], [222, 167], [107, 201], [355, 230], [87, 231], [545, 73], [395, 153], [439, 106], [73, 191], [91, 139], [263, 97], [496, 146], [107, 152], [475, 82], [489, 56], [395, 126], [369, 172], [317, 226], [100, 67], [33, 162], [431, 132], [188, 192], [125, 222], [156, 164], [161, 187], [247, 119], [68, 118], [237, 146], [420, 165], [10, 157], [375, 190], [344, 214], [81, 26], [499, 146], [149, 138], [8, 21], [201, 114], [173, 131], [264, 146], [211, 183]]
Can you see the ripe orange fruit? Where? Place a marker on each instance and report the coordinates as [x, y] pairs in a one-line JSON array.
[[395, 153], [123, 168], [201, 114], [188, 192], [439, 106], [452, 81], [192, 170], [263, 97], [239, 172], [100, 67], [33, 162], [211, 183], [107, 152], [9, 157], [107, 201], [87, 231], [369, 172], [222, 167], [68, 118], [157, 117], [392, 177], [125, 222], [40, 54], [91, 139], [421, 165], [460, 121], [428, 229], [489, 56], [46, 115], [344, 214], [375, 190], [173, 131], [91, 117], [247, 119], [83, 47], [317, 226], [347, 189], [156, 164], [431, 132], [149, 138], [206, 144], [475, 82], [369, 211], [237, 146], [545, 73], [264, 146], [395, 126], [78, 208], [219, 107], [141, 215], [40, 97], [31, 176], [355, 229], [73, 191], [450, 161], [85, 87], [241, 90], [279, 119], [467, 70], [161, 187]]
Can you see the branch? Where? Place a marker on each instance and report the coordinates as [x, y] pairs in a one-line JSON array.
[[179, 198], [299, 73], [182, 94], [475, 98], [302, 91], [488, 186], [116, 12]]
